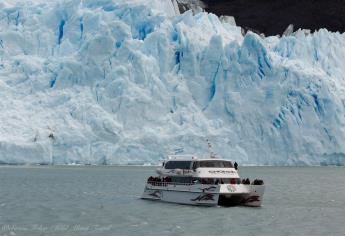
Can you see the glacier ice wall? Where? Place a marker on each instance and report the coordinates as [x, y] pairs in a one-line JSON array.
[[117, 82]]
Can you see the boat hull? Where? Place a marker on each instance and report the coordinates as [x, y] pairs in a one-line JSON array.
[[206, 195], [244, 195], [183, 194]]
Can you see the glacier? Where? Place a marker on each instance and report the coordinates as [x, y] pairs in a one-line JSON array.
[[127, 82]]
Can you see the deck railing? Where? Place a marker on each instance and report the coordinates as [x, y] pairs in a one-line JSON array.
[[157, 183], [161, 183]]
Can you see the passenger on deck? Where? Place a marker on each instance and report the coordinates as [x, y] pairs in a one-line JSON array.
[[247, 181], [150, 179], [236, 165]]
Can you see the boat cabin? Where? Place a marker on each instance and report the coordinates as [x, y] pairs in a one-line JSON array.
[[204, 171], [192, 165]]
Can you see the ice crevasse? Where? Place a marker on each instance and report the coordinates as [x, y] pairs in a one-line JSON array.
[[118, 82]]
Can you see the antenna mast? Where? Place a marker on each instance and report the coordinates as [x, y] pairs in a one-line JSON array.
[[209, 145]]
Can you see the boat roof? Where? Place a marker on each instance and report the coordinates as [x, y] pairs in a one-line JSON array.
[[192, 158]]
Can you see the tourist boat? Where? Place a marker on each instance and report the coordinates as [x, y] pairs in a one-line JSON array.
[[208, 182]]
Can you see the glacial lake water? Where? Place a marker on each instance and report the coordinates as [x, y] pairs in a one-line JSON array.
[[105, 201]]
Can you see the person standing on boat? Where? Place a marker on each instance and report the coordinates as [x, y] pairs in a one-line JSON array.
[[236, 165]]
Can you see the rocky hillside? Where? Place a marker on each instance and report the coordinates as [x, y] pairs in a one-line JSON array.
[[272, 17]]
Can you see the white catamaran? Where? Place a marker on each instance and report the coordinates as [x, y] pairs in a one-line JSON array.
[[185, 179]]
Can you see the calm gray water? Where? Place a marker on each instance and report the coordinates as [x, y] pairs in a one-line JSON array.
[[105, 201]]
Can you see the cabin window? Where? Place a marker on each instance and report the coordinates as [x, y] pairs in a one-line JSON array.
[[177, 179], [212, 164], [217, 180], [185, 165]]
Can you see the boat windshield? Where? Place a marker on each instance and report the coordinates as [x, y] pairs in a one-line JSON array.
[[186, 165], [212, 164]]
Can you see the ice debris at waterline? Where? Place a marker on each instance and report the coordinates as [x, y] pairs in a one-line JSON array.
[[116, 82]]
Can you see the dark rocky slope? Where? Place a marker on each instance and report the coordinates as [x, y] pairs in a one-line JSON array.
[[271, 17]]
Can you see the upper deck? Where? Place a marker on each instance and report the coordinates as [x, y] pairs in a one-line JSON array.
[[189, 165]]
